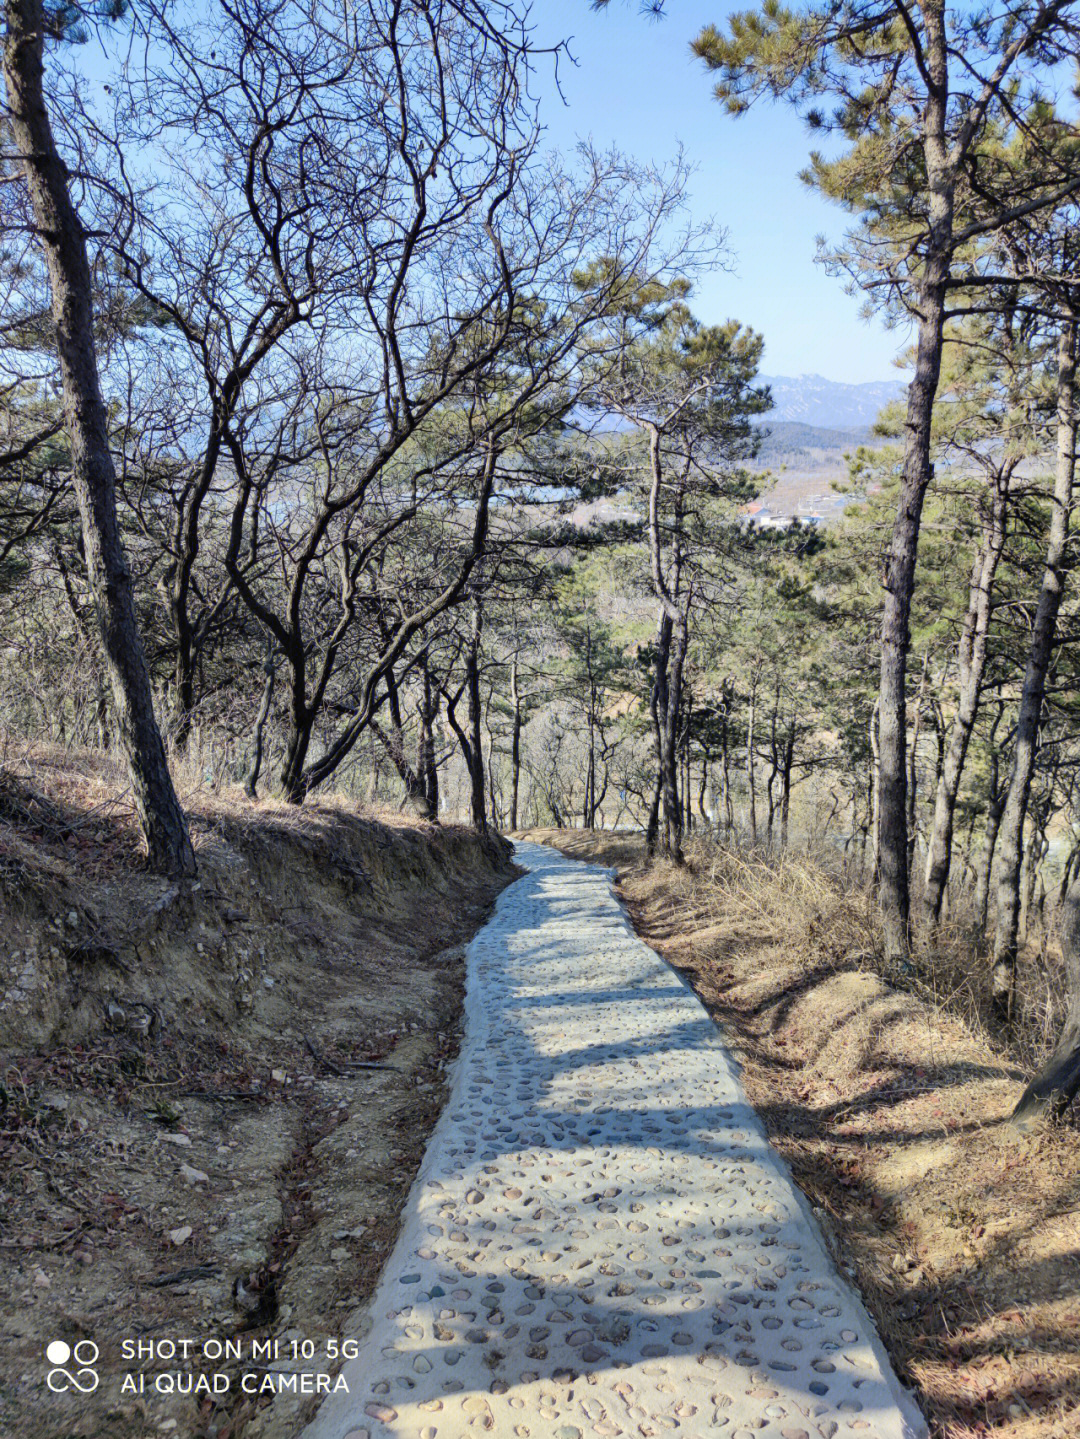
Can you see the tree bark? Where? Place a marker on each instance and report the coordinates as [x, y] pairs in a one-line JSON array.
[[787, 763], [515, 745], [425, 744], [751, 716], [981, 900], [913, 756], [1010, 839], [63, 241], [971, 661], [875, 795], [251, 779], [472, 679], [416, 797], [892, 829], [899, 577], [669, 767]]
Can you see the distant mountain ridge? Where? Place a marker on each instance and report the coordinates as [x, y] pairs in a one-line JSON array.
[[828, 404]]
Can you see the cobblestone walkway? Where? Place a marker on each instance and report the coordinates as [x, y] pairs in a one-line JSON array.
[[600, 1240]]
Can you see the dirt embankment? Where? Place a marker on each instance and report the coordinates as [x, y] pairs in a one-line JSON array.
[[963, 1237], [212, 1104]]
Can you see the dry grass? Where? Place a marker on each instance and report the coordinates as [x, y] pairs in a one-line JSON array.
[[890, 1104]]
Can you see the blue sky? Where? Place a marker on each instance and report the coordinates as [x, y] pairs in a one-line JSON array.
[[638, 87]]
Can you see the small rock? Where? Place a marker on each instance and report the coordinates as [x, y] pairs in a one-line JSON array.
[[181, 1235], [73, 917], [279, 1076], [194, 1176], [41, 1279], [183, 1140], [339, 1255]]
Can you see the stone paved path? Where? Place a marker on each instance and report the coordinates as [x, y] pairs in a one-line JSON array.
[[600, 1240]]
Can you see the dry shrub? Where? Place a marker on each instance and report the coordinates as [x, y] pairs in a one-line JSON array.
[[812, 903], [806, 898]]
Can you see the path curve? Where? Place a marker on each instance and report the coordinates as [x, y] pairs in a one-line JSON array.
[[600, 1240]]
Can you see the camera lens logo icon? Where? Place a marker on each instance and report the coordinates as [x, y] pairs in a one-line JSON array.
[[84, 1355]]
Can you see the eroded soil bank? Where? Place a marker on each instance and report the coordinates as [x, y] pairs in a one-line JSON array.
[[212, 1105], [963, 1237]]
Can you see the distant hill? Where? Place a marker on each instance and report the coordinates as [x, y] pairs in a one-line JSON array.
[[788, 437], [828, 404]]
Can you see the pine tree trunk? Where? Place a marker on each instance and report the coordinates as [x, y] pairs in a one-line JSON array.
[[727, 806], [750, 721], [63, 241], [774, 770], [658, 706], [972, 661], [875, 796], [913, 756], [1010, 839], [675, 656], [785, 793], [981, 901], [515, 746], [893, 887], [472, 674]]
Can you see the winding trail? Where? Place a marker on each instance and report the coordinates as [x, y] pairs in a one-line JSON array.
[[600, 1240]]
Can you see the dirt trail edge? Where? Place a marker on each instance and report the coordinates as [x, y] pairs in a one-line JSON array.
[[600, 1239]]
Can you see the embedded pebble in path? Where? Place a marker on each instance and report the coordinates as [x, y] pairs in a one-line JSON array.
[[600, 1240]]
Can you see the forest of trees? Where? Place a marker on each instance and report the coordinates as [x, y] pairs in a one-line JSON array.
[[352, 438]]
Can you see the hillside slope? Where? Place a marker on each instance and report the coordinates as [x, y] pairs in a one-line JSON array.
[[212, 1105]]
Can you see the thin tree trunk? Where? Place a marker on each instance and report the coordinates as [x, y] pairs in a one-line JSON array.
[[472, 678], [652, 824], [416, 799], [1010, 841], [658, 711], [63, 240], [785, 775], [425, 745], [515, 745], [251, 780], [875, 795], [774, 770], [899, 578], [750, 721], [913, 754], [972, 662], [986, 864], [725, 766], [669, 764]]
